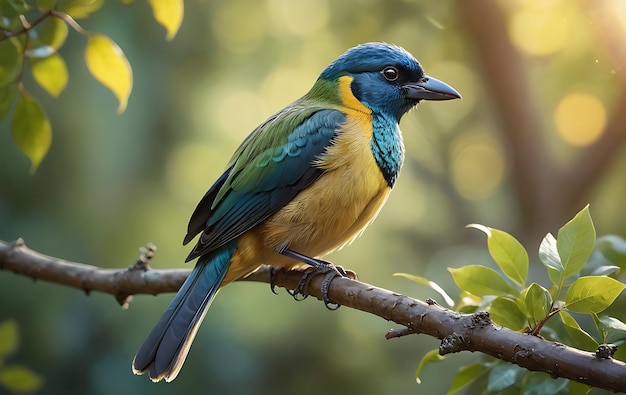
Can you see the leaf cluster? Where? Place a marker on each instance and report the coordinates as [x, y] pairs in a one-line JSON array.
[[30, 38], [579, 269]]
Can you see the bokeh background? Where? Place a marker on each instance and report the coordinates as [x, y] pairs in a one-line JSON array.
[[539, 133]]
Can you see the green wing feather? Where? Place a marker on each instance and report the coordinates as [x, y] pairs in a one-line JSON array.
[[267, 171]]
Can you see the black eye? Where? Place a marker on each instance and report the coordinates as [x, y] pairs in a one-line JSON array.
[[390, 73]]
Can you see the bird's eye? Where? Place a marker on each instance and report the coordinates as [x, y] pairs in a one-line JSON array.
[[390, 73]]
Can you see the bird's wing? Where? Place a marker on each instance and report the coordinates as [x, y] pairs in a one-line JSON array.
[[267, 171]]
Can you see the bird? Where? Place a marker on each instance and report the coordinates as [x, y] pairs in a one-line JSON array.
[[306, 181]]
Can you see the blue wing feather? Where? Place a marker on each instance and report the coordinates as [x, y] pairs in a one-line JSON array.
[[267, 182]]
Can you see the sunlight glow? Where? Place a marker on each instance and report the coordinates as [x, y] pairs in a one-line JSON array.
[[580, 119]]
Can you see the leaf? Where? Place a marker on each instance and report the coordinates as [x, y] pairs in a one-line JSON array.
[[549, 257], [78, 9], [613, 247], [575, 242], [9, 61], [51, 73], [108, 64], [592, 294], [503, 376], [507, 252], [431, 284], [431, 356], [31, 130], [581, 338], [8, 338], [615, 330], [481, 281], [505, 312], [7, 98], [47, 38], [465, 376], [20, 379], [169, 13], [538, 302]]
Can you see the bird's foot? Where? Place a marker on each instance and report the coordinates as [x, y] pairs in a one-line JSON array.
[[318, 266]]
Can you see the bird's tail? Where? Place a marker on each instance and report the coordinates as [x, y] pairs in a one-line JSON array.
[[163, 352]]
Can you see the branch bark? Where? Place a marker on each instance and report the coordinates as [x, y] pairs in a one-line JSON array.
[[457, 332]]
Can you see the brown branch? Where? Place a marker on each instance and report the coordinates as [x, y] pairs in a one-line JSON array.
[[457, 332]]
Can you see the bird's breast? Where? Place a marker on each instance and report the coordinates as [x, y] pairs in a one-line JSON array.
[[337, 207]]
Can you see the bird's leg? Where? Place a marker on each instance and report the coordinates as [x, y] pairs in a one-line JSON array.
[[317, 266]]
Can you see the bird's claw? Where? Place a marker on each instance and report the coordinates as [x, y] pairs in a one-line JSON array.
[[330, 271]]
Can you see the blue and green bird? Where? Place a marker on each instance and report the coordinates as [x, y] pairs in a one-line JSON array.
[[305, 182]]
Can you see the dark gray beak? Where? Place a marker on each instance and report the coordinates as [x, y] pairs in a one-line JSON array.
[[429, 88]]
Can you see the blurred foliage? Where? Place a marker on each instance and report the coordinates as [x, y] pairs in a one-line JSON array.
[[111, 182], [580, 285], [14, 378]]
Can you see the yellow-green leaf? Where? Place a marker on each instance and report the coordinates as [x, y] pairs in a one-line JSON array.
[[19, 379], [108, 64], [505, 312], [79, 8], [51, 73], [9, 61], [169, 13], [582, 339], [8, 338], [575, 242], [465, 376], [537, 300], [52, 32], [507, 252], [31, 130], [481, 281], [592, 294], [431, 356]]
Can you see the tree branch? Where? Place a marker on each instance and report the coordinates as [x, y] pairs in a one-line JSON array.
[[457, 332]]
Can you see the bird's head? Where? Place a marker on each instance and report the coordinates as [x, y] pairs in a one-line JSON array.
[[385, 78]]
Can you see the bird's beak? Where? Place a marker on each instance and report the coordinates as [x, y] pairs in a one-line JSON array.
[[429, 88]]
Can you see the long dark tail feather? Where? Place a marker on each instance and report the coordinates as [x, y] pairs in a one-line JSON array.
[[166, 347]]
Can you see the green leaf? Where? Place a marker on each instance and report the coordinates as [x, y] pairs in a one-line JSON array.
[[481, 281], [582, 339], [503, 376], [10, 61], [78, 9], [7, 98], [20, 379], [507, 252], [431, 356], [613, 248], [575, 242], [549, 257], [108, 64], [431, 284], [538, 302], [169, 13], [505, 312], [51, 73], [465, 376], [615, 330], [8, 338], [47, 38], [31, 130], [592, 294]]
